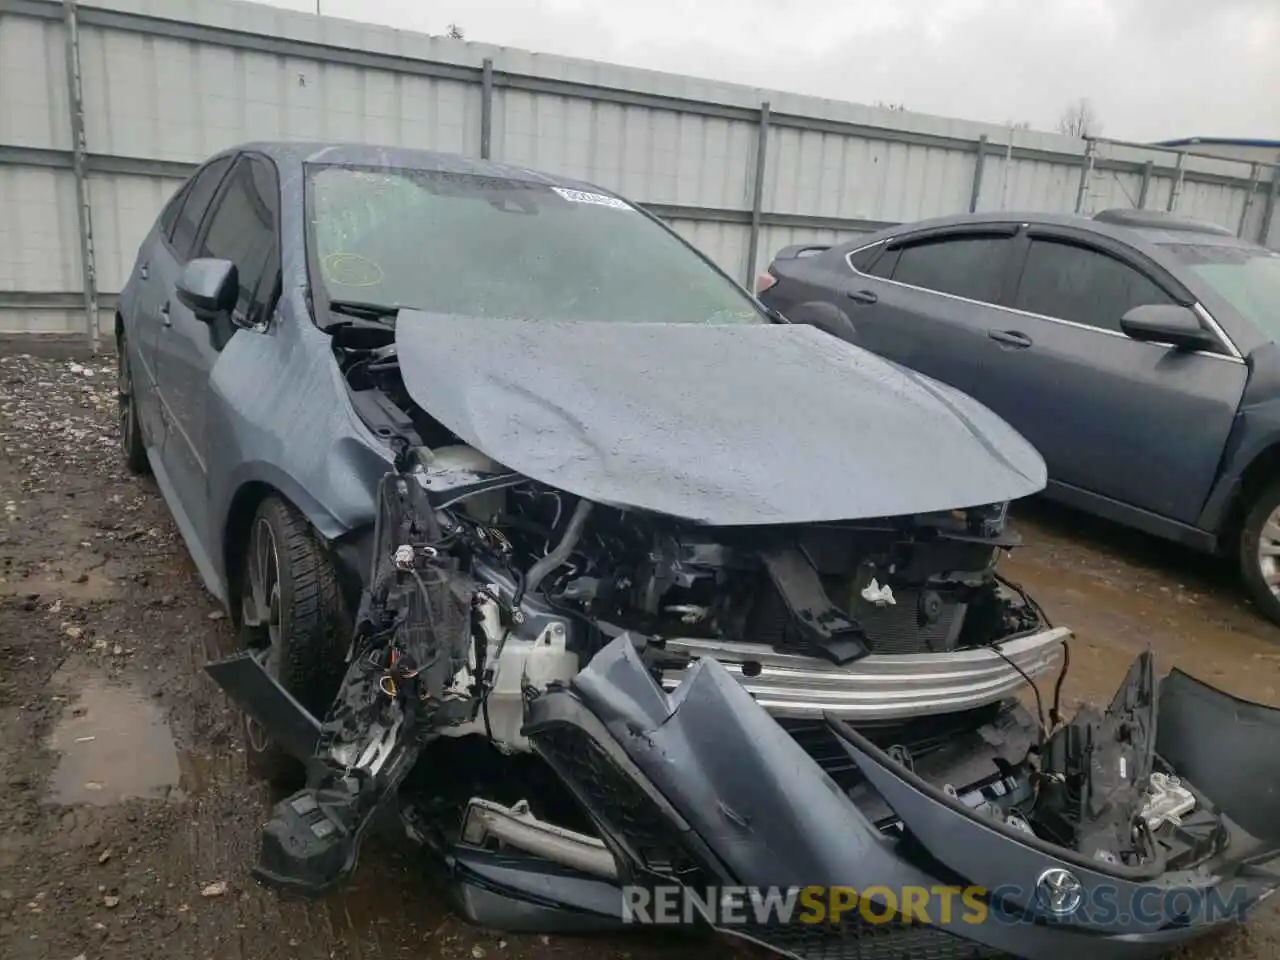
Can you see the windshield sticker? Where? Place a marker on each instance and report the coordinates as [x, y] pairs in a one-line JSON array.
[[581, 196]]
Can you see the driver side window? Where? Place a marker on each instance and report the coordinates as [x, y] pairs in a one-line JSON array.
[[1071, 282], [198, 194], [242, 229]]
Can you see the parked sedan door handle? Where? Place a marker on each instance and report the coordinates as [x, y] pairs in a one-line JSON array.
[[863, 296], [164, 315], [1010, 338]]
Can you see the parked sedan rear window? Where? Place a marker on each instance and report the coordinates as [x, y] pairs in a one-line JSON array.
[[1246, 276], [1086, 286], [492, 247], [970, 267]]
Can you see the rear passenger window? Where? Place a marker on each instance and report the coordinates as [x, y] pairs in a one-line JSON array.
[[169, 215], [1086, 286], [198, 195], [862, 260], [970, 267]]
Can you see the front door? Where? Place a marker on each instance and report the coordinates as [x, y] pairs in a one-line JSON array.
[[1138, 422], [240, 227]]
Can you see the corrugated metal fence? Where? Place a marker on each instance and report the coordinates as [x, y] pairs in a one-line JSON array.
[[105, 107]]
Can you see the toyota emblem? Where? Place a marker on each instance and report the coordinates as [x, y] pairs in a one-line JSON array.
[[1059, 891]]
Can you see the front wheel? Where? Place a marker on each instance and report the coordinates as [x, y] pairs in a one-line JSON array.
[[1260, 551], [292, 609]]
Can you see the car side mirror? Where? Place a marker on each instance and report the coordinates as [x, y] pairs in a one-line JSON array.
[[209, 288], [1168, 323]]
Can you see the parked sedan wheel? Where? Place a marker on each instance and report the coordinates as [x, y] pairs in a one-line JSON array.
[[291, 608], [1260, 551], [131, 445]]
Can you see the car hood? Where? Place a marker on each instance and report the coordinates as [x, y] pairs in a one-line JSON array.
[[723, 424]]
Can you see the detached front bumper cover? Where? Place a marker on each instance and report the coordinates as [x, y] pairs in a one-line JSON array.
[[702, 784], [701, 788]]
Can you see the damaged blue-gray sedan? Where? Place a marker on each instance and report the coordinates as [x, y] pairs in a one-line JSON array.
[[607, 588]]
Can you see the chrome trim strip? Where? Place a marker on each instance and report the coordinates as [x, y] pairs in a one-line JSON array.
[[1227, 342], [877, 687], [848, 257], [519, 828], [1233, 354]]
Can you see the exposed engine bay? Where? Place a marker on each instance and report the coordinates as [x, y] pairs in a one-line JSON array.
[[529, 673], [839, 591], [476, 609]]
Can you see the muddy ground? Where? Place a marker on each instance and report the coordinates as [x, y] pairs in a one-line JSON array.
[[127, 822]]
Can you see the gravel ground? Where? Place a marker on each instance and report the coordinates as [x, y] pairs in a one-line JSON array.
[[127, 823]]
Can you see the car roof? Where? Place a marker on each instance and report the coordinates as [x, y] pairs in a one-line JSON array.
[[1152, 226], [297, 153], [1152, 240], [1156, 243]]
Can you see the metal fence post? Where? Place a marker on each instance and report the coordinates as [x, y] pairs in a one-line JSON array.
[[486, 109], [757, 196], [978, 164], [1176, 190], [75, 103], [1086, 172], [1255, 172], [1268, 214], [1146, 184]]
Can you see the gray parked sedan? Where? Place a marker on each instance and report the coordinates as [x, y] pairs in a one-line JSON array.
[[1137, 351]]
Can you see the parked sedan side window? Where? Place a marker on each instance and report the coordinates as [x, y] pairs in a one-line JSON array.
[[863, 259], [969, 267], [242, 229], [199, 193], [169, 215], [1071, 282]]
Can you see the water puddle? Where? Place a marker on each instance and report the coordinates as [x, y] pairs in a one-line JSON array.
[[114, 742]]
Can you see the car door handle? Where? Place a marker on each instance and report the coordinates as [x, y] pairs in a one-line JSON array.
[[1010, 338], [863, 296], [164, 315]]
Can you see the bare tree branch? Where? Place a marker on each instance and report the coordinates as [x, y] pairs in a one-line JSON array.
[[1079, 119]]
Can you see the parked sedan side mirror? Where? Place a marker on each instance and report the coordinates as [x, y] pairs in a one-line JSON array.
[[209, 288], [1168, 323]]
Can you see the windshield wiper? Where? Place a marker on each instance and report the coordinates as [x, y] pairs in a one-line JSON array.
[[364, 310]]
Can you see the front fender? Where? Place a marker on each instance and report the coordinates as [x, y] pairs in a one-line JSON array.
[[279, 415], [1256, 430]]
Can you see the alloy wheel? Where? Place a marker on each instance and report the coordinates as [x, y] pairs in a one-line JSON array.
[[260, 610], [1269, 552]]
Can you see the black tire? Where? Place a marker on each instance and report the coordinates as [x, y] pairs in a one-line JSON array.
[[1259, 554], [304, 623], [131, 443]]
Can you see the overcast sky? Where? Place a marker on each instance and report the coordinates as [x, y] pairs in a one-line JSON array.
[[1153, 69]]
